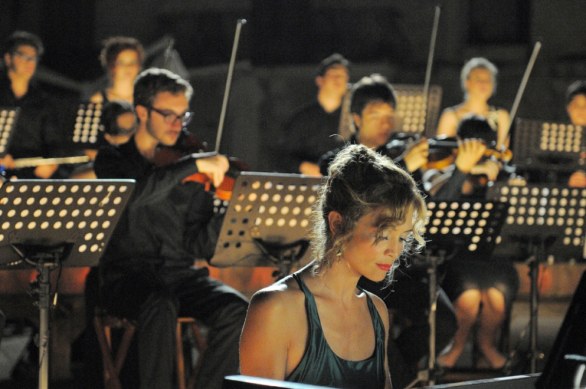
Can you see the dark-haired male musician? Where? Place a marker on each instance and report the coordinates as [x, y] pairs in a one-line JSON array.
[[312, 129], [147, 274], [35, 133], [373, 103]]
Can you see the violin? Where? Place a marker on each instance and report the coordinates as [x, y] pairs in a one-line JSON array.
[[189, 145], [186, 144], [443, 150]]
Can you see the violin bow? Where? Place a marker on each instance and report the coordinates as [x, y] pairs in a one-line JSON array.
[[522, 86], [430, 63], [239, 25]]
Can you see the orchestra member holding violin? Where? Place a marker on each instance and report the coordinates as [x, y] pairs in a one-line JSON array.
[[373, 103], [478, 82], [36, 131], [481, 289], [147, 272], [312, 130], [576, 109]]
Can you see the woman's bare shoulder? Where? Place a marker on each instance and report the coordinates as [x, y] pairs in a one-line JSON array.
[[279, 296], [380, 305]]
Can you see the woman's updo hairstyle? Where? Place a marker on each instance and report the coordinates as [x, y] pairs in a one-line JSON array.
[[361, 181]]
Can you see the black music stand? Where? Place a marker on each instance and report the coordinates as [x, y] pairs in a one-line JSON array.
[[544, 218], [87, 127], [52, 223], [267, 221], [455, 228], [548, 147], [414, 113], [8, 116]]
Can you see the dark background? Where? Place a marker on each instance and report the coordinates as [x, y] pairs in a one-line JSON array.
[[284, 40]]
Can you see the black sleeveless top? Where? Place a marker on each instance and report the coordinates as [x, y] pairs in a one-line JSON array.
[[321, 366]]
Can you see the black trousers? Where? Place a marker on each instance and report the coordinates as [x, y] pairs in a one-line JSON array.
[[154, 299]]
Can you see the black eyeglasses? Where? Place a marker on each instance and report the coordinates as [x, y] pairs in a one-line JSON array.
[[171, 117]]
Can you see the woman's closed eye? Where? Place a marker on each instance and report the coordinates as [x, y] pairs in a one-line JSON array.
[[380, 237]]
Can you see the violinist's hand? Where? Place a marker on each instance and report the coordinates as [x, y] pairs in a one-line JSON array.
[[7, 162], [416, 157], [489, 168], [470, 151], [309, 169], [215, 167], [577, 179]]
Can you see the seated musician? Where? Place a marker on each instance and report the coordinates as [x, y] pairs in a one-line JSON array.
[[147, 272], [118, 122], [122, 58], [576, 109], [312, 129], [481, 289], [478, 81], [36, 131], [373, 103], [368, 214]]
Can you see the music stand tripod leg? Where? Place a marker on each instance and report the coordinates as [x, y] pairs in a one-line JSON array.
[[538, 250], [71, 225], [44, 308], [428, 375]]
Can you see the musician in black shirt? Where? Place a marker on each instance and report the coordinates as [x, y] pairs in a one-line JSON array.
[[36, 131], [373, 103], [313, 128], [147, 274]]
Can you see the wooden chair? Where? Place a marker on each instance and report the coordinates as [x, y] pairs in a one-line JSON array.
[[200, 344], [113, 362]]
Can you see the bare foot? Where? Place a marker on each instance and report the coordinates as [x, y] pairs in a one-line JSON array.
[[447, 360]]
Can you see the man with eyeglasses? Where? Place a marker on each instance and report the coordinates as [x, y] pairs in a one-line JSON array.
[[35, 133], [146, 272]]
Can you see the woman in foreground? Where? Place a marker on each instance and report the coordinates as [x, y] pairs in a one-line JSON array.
[[316, 326]]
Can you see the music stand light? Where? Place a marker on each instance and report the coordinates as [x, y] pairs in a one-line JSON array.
[[267, 221], [8, 116], [86, 130], [53, 223], [455, 228], [412, 114], [547, 146], [545, 218]]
